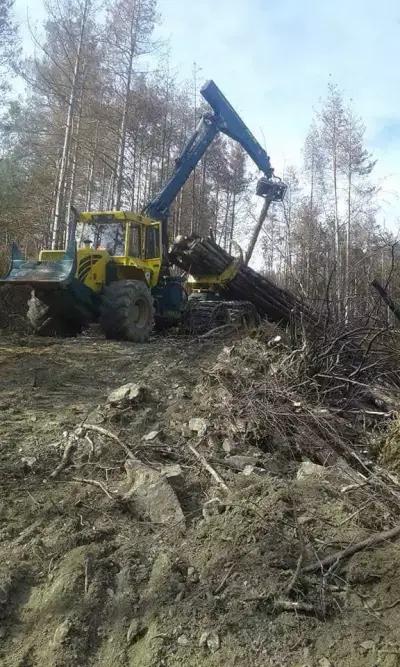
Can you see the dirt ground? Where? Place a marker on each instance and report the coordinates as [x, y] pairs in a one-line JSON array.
[[87, 580]]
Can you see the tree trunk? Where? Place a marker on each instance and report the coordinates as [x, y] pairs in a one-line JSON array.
[[59, 206]]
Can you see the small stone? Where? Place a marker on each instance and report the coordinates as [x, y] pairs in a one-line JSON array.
[[61, 631], [192, 575], [127, 394], [274, 341], [324, 662], [133, 631], [183, 640], [198, 425], [248, 470], [213, 507], [228, 446], [28, 461], [172, 471], [203, 640], [240, 462], [308, 470], [151, 436], [213, 642], [368, 645]]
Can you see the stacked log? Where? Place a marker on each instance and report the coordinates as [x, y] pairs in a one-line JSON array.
[[202, 257]]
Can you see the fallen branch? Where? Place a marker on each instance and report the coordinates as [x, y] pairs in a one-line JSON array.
[[208, 467], [335, 558], [94, 482], [108, 434], [295, 575], [66, 457], [226, 328], [281, 604], [224, 579], [289, 605], [389, 606]]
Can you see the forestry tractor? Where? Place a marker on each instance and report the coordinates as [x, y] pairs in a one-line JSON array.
[[127, 285]]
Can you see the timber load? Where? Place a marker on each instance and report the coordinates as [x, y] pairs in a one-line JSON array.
[[202, 258]]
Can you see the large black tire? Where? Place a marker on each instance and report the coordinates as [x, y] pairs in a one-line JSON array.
[[45, 321], [127, 311]]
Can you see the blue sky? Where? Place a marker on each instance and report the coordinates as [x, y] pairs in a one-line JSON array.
[[273, 61]]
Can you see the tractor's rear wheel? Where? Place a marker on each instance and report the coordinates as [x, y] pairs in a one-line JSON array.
[[127, 311], [45, 321]]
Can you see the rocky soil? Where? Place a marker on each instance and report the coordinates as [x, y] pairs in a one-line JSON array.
[[156, 512]]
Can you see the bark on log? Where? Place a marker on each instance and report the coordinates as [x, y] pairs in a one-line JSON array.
[[203, 257]]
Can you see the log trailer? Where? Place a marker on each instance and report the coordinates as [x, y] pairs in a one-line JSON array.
[[127, 286]]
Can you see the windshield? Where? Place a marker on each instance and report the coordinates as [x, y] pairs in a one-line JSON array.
[[108, 235]]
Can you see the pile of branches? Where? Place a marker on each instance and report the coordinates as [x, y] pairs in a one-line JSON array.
[[258, 393], [349, 366], [317, 399]]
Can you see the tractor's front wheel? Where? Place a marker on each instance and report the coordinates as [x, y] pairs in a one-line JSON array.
[[127, 311]]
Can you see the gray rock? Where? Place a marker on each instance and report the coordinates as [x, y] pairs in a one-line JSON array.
[[213, 642], [241, 462], [183, 640], [152, 495], [192, 575], [128, 394], [62, 631], [212, 508], [150, 436], [309, 470], [172, 471], [133, 631], [199, 426]]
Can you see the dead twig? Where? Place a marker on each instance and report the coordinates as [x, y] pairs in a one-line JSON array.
[[290, 605], [108, 434], [224, 579], [389, 606], [281, 604], [208, 467], [94, 482], [295, 575], [66, 457], [224, 328], [335, 558]]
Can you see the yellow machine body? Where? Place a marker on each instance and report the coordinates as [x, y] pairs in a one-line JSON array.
[[141, 258], [213, 282]]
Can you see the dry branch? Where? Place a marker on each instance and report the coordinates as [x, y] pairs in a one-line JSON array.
[[208, 467], [338, 556], [94, 482], [109, 434], [66, 457]]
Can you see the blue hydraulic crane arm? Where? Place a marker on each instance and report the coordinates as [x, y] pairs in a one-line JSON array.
[[231, 124], [207, 128], [223, 119]]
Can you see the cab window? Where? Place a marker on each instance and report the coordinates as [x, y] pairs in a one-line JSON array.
[[152, 242], [110, 236], [135, 249]]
